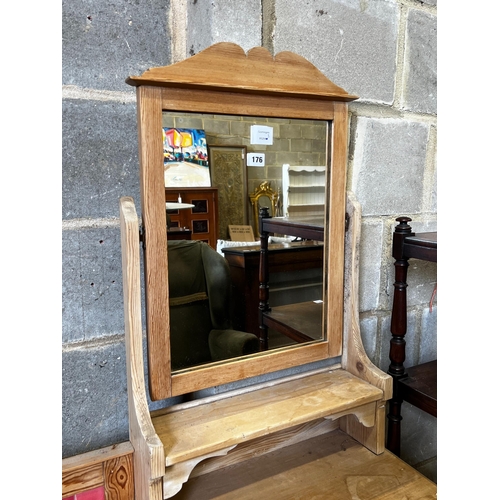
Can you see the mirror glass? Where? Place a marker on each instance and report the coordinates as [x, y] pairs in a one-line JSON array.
[[218, 170], [264, 201]]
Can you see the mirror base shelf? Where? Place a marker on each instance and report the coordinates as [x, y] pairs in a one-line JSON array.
[[204, 430]]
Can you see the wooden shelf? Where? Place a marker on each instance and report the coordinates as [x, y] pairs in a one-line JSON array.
[[422, 246], [205, 429], [311, 228], [420, 387], [303, 187], [291, 205]]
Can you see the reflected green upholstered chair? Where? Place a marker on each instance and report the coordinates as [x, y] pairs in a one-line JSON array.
[[200, 307]]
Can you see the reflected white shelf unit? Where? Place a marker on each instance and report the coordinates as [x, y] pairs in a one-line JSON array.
[[303, 190]]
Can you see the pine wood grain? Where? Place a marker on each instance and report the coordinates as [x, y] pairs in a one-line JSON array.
[[335, 230], [149, 456], [233, 103], [266, 444], [226, 66], [82, 478], [247, 367], [111, 467], [354, 358], [331, 466], [154, 222], [203, 429], [119, 484]]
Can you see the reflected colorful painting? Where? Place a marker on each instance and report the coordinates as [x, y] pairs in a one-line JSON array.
[[185, 158]]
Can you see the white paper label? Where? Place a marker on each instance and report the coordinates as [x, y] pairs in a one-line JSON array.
[[256, 159], [261, 134]]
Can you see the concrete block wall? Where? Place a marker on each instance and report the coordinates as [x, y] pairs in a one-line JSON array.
[[384, 51], [103, 43], [298, 142]]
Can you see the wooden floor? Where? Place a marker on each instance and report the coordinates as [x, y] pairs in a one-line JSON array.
[[332, 466]]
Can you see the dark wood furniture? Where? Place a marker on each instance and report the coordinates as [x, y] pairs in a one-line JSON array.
[[179, 233], [292, 320], [244, 267], [202, 220], [416, 385]]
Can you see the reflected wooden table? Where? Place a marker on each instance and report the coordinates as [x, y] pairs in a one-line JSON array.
[[244, 268], [301, 322]]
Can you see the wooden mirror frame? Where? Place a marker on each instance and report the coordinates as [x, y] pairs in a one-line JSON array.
[[223, 79]]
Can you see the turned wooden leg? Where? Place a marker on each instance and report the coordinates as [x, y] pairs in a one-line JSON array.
[[398, 329], [263, 280]]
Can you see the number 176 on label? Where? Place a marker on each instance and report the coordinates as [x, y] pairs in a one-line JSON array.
[[256, 159]]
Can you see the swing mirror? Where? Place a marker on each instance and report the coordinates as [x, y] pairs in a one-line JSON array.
[[290, 97]]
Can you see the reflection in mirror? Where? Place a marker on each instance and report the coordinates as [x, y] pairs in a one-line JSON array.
[[263, 196], [216, 163], [265, 201]]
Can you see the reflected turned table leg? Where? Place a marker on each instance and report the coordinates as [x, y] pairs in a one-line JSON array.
[[398, 330], [263, 279]]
